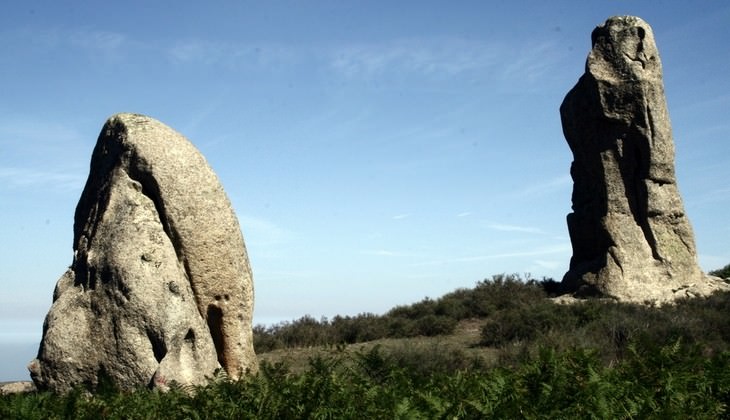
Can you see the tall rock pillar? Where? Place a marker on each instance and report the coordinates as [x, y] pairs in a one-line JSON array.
[[630, 235]]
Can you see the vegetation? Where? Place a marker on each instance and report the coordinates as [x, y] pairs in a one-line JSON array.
[[723, 272], [502, 349], [426, 318], [516, 317]]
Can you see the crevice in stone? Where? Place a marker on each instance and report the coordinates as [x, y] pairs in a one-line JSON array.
[[215, 325], [649, 117], [159, 349], [634, 168], [190, 336], [81, 271], [91, 279], [643, 179]]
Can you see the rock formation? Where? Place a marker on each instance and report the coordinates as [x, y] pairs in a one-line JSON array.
[[630, 235], [10, 388], [160, 288]]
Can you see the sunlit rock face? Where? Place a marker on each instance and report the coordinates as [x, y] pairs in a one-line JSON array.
[[630, 235], [160, 288]]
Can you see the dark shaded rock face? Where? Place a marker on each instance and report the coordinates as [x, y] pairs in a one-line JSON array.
[[160, 288], [630, 235]]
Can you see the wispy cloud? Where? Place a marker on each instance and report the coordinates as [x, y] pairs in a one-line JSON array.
[[386, 253], [207, 52], [448, 56], [532, 62], [401, 216], [33, 178], [97, 43], [48, 152], [261, 232], [425, 56], [550, 264], [464, 214], [103, 41], [541, 188], [24, 131], [546, 250], [444, 55], [199, 51], [513, 228], [43, 146], [430, 57]]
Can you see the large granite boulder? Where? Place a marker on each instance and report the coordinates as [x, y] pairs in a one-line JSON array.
[[630, 235], [160, 288]]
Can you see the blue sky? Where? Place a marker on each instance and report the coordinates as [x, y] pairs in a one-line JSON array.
[[375, 152]]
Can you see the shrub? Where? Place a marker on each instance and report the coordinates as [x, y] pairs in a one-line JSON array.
[[723, 272], [608, 327], [361, 328], [265, 339], [433, 325], [415, 311], [518, 319], [428, 317], [524, 324]]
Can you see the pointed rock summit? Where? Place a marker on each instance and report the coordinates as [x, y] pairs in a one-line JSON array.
[[630, 235], [160, 288]]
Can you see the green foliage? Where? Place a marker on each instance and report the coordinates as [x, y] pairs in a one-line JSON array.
[[425, 318], [521, 324], [723, 272], [606, 326], [673, 380], [593, 359]]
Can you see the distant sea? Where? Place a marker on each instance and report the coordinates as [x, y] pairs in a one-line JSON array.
[[14, 359]]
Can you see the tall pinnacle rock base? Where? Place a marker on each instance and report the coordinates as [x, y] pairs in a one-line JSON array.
[[630, 235], [160, 288]]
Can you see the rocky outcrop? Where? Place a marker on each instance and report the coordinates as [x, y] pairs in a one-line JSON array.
[[10, 388], [160, 288], [630, 235]]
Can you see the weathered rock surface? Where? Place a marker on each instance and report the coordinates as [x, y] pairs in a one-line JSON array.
[[630, 235], [160, 288]]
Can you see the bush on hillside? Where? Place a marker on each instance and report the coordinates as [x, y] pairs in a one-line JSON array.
[[517, 320], [428, 317], [723, 272], [608, 327]]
